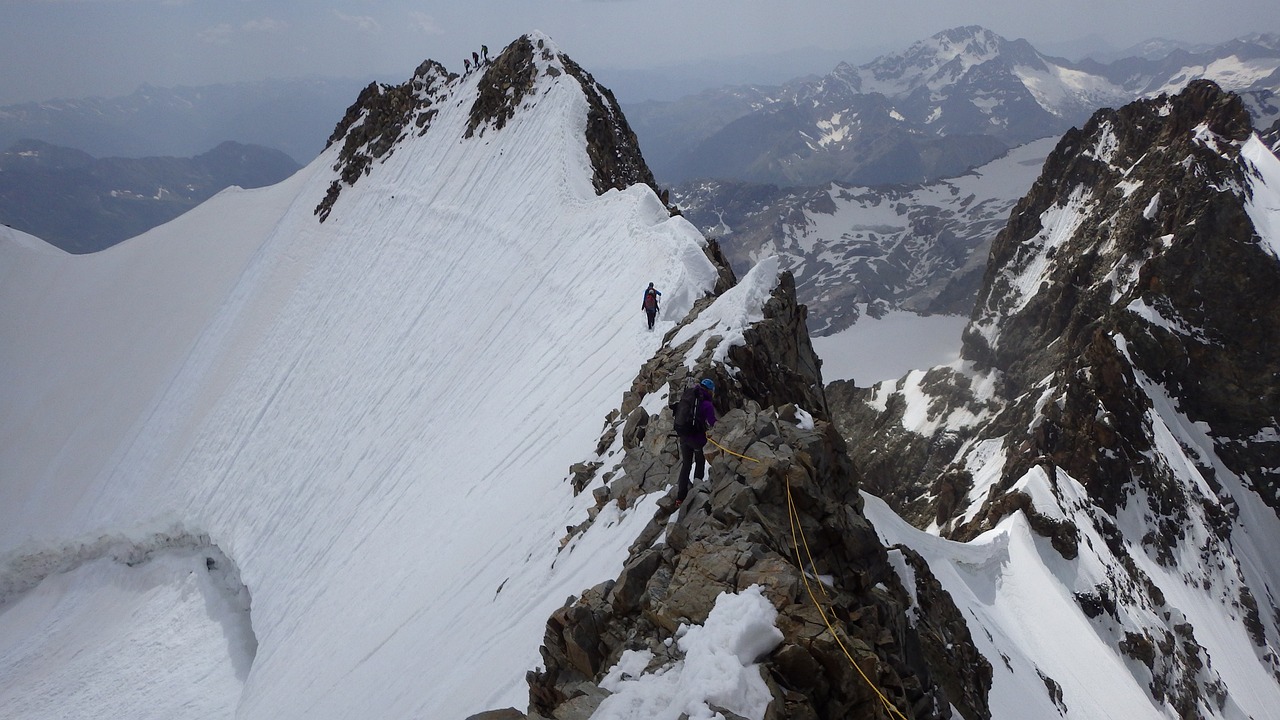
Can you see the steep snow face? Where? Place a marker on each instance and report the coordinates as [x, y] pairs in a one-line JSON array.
[[372, 417], [1264, 194]]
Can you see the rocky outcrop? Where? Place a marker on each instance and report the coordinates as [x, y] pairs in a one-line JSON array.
[[506, 82], [1271, 136], [614, 150], [777, 460], [379, 118]]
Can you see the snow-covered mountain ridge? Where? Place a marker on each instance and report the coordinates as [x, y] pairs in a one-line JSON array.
[[261, 464], [371, 416], [1111, 425]]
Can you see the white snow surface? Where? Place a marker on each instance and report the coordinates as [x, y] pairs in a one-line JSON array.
[[719, 667], [372, 417], [1263, 204]]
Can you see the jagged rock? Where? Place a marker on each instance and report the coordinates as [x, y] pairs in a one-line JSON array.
[[505, 714], [507, 80], [1271, 136], [627, 592], [734, 530], [582, 474], [1121, 303], [378, 119]]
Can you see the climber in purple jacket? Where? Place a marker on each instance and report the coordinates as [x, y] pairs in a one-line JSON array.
[[691, 425], [650, 303]]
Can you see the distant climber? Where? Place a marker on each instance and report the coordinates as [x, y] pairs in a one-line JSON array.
[[693, 414], [475, 58], [650, 304], [484, 52], [1047, 437]]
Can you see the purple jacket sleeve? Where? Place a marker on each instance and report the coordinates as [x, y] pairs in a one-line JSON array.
[[708, 411]]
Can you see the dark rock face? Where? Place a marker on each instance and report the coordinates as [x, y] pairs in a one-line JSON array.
[[505, 84], [379, 118], [83, 204], [1122, 342], [734, 531], [1223, 373], [1271, 137], [611, 144]]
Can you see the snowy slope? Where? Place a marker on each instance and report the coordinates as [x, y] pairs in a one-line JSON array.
[[372, 418]]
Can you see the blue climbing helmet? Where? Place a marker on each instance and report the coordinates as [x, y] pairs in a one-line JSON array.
[[709, 384]]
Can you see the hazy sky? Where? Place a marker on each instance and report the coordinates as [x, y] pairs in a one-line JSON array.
[[75, 48]]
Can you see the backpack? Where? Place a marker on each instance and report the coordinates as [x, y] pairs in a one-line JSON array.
[[685, 413], [650, 299]]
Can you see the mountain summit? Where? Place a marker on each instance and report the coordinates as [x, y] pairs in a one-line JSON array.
[[498, 89], [1112, 423]]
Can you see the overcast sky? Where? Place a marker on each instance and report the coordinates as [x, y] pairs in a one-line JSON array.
[[76, 48]]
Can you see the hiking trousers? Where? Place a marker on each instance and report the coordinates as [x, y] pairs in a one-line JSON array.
[[691, 457]]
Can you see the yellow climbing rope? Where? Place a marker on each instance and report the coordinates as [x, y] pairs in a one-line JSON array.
[[798, 538], [744, 457]]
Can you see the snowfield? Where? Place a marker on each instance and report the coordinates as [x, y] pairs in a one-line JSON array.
[[373, 418]]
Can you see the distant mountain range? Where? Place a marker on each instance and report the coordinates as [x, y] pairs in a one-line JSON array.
[[83, 204], [295, 116], [896, 235], [921, 248], [946, 104]]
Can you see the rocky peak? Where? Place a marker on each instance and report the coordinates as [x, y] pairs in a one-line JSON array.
[[616, 161], [384, 115], [949, 52], [1116, 388], [1121, 167], [612, 145]]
